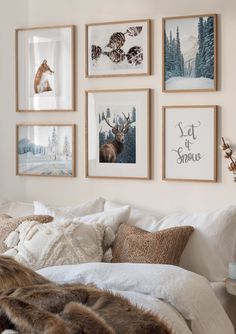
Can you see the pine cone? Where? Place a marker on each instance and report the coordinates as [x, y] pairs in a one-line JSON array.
[[96, 52], [117, 40], [116, 56], [135, 55]]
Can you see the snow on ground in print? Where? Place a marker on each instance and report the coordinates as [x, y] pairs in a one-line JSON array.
[[189, 83], [41, 166]]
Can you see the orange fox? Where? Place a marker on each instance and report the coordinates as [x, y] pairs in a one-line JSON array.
[[41, 83]]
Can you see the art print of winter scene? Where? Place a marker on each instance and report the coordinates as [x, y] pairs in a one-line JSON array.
[[115, 49], [45, 150], [189, 53], [117, 134]]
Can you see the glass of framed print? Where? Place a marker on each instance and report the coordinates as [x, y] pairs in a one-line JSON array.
[[118, 133], [45, 150], [189, 143], [189, 53], [118, 48], [45, 69]]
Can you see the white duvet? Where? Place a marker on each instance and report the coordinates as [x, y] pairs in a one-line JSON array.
[[185, 300]]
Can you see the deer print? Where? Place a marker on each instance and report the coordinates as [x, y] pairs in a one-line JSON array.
[[41, 83], [109, 151]]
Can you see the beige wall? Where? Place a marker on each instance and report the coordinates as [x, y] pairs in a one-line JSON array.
[[155, 194]]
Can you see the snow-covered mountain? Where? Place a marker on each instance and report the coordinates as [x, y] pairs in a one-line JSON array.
[[189, 47]]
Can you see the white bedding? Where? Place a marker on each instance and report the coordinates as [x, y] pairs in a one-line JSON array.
[[184, 299]]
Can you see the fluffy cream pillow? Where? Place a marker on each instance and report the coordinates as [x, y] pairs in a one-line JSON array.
[[61, 214], [9, 224], [70, 242]]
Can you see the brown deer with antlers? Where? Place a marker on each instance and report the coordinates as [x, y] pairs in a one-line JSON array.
[[109, 152]]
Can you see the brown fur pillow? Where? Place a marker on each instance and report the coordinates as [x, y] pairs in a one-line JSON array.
[[133, 244], [8, 224]]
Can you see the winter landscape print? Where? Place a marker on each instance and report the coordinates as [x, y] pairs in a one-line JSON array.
[[189, 53], [45, 150]]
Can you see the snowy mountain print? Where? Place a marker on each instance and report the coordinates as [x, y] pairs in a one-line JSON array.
[[45, 150], [189, 55]]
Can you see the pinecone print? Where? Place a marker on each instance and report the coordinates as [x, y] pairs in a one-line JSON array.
[[135, 56], [117, 40]]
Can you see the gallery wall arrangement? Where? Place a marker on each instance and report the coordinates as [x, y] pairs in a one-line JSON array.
[[118, 130]]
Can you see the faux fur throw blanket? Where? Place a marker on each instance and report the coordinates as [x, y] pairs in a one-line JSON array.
[[31, 304]]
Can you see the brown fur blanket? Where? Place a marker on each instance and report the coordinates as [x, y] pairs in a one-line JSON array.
[[29, 303]]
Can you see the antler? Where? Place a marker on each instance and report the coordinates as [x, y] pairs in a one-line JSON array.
[[113, 128], [125, 127]]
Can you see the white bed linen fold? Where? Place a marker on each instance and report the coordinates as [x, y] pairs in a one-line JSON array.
[[153, 287]]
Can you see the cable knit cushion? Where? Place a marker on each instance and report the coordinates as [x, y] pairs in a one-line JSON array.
[[54, 244], [133, 244], [9, 224]]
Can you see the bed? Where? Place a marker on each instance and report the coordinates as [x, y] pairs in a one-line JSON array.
[[182, 296]]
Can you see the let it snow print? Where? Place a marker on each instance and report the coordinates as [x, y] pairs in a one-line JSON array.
[[189, 53], [190, 143], [46, 150]]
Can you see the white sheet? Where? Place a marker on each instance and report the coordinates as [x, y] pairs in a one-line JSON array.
[[172, 292]]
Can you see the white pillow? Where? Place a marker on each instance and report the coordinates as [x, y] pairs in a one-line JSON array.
[[112, 218], [212, 245], [16, 209], [44, 245], [139, 218], [61, 214]]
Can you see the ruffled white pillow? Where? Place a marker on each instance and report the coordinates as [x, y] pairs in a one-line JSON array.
[[63, 213]]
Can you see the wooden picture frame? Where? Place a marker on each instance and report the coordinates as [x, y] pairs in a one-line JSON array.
[[187, 155], [119, 48], [45, 150], [118, 134], [45, 68], [183, 33]]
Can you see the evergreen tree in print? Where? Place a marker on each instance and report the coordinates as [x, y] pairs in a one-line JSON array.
[[209, 48], [174, 59], [204, 62], [66, 148], [54, 144]]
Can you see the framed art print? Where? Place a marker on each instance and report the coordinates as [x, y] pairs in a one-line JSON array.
[[45, 69], [189, 143], [45, 150], [118, 48], [118, 134], [189, 53]]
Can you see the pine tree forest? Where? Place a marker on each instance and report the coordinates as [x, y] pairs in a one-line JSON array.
[[175, 64]]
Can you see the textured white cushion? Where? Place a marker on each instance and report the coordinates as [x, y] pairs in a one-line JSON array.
[[140, 218], [54, 244], [212, 245], [61, 214]]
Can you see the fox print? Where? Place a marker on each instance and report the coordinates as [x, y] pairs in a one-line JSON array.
[[41, 83]]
